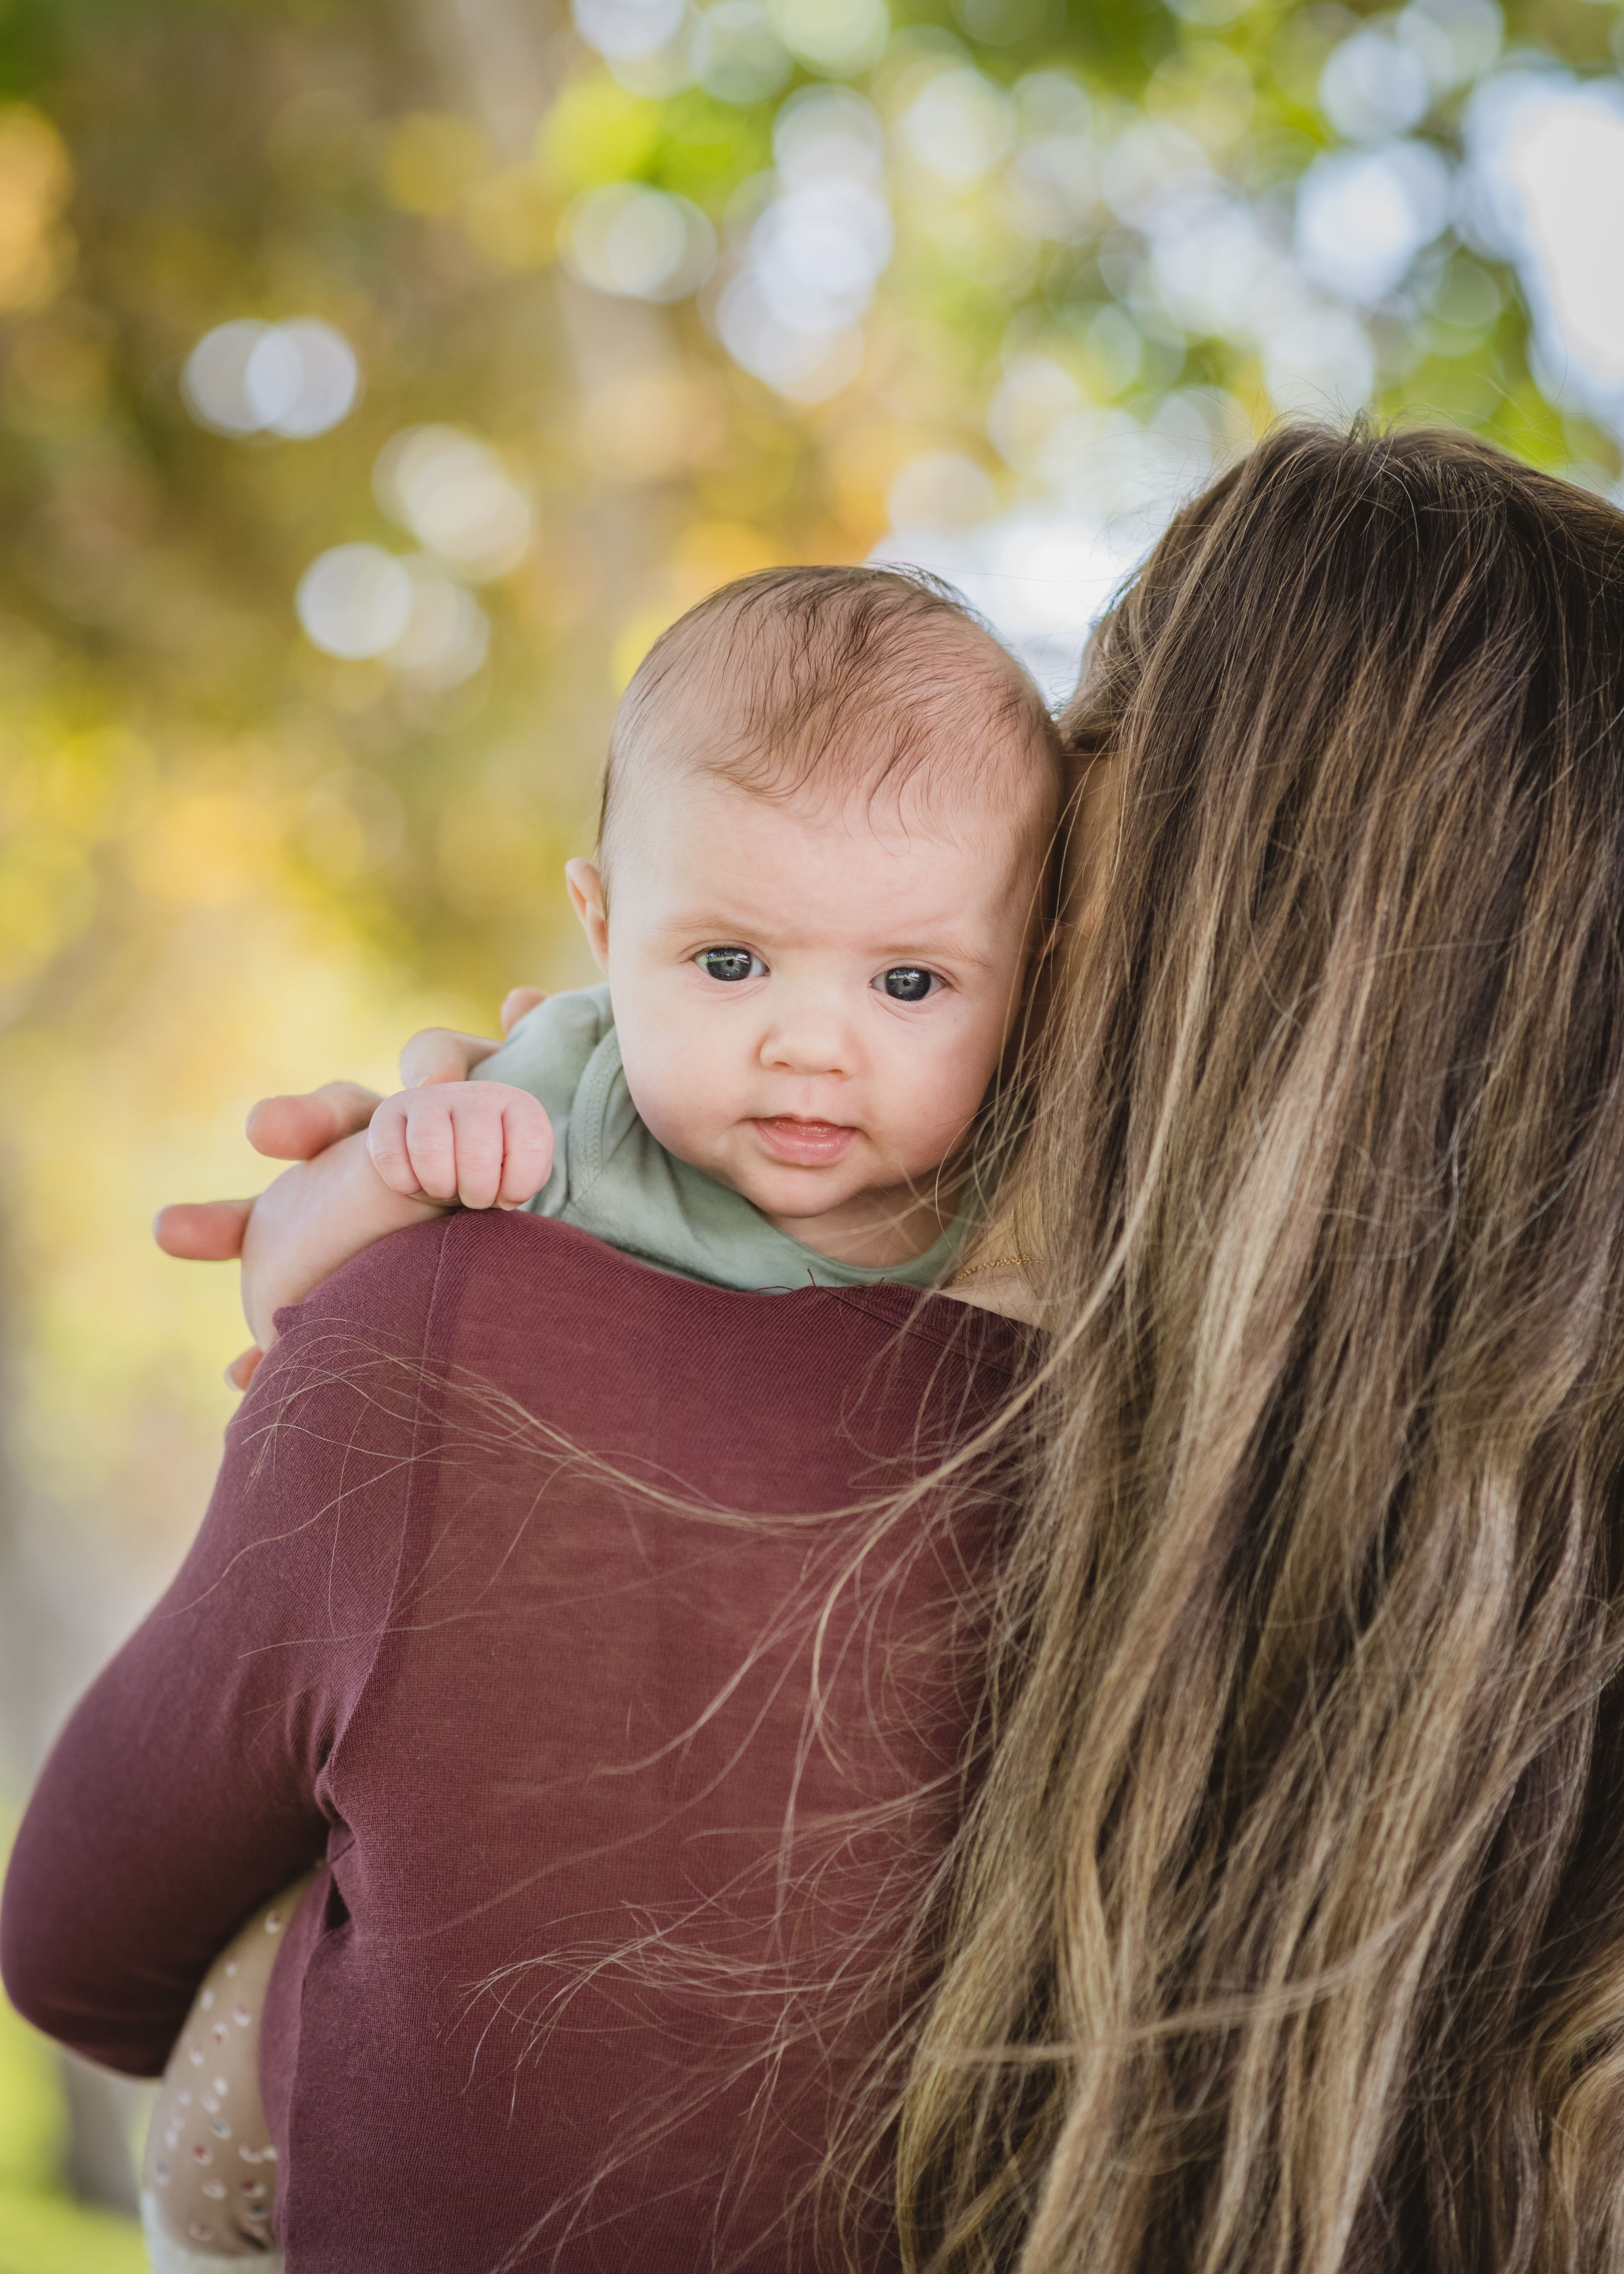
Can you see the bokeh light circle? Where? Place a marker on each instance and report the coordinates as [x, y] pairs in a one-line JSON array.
[[1373, 85], [822, 133], [448, 634], [355, 601], [455, 496], [1363, 215], [295, 379], [959, 127], [627, 28], [738, 56], [833, 35], [638, 243]]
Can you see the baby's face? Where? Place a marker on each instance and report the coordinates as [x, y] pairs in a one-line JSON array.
[[812, 998]]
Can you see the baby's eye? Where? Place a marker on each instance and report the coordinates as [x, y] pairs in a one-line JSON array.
[[731, 963], [909, 982]]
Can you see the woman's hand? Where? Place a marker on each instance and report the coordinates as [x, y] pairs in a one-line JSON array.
[[302, 1128], [316, 1216], [282, 1128]]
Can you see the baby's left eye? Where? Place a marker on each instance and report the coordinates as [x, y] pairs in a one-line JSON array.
[[731, 963], [909, 982]]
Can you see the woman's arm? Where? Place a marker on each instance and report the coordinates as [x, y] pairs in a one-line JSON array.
[[191, 1781]]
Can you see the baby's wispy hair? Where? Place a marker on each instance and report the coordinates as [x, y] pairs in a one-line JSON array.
[[874, 679]]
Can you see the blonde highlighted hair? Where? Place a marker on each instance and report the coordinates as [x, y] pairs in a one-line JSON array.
[[1285, 1927]]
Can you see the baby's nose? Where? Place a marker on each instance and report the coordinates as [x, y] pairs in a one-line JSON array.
[[810, 1038]]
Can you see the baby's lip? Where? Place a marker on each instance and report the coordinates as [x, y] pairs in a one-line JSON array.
[[803, 1142]]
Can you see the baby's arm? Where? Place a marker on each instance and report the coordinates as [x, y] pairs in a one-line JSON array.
[[444, 1054], [442, 1140], [479, 1143], [310, 1220]]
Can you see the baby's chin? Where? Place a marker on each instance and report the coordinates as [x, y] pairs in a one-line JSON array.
[[791, 1182], [786, 1189], [846, 1211], [803, 1175]]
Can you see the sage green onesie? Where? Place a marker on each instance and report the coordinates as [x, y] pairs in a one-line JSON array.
[[612, 1178]]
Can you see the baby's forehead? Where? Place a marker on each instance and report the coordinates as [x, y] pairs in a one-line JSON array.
[[995, 808]]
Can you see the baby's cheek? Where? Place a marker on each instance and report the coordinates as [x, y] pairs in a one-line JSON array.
[[679, 1096], [931, 1101]]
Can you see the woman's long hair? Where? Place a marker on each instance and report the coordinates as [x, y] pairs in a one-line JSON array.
[[1287, 1927]]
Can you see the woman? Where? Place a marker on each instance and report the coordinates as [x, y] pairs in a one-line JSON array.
[[1236, 1891], [1286, 1927]]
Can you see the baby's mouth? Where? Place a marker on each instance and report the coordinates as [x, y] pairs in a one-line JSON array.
[[805, 1144]]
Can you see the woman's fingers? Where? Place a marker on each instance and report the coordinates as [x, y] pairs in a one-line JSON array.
[[515, 1003], [284, 1128], [443, 1054], [241, 1371], [298, 1128], [202, 1231]]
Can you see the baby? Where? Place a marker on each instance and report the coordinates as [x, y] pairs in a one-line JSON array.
[[817, 901]]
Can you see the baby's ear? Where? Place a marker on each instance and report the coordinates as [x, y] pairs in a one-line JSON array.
[[587, 895]]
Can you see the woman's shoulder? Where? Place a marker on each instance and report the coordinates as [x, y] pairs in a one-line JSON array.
[[744, 1393], [531, 1261], [548, 1313]]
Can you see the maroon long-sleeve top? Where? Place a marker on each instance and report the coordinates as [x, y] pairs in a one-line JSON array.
[[541, 1595]]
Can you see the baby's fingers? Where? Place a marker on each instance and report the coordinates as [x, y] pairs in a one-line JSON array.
[[391, 1155], [527, 1147], [453, 1140], [475, 1119]]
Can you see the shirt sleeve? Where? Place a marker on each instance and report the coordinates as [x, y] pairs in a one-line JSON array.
[[188, 1784]]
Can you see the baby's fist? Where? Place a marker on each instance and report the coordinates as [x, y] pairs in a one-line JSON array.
[[480, 1142]]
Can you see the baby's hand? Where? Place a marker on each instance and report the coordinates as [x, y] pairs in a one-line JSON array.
[[480, 1142]]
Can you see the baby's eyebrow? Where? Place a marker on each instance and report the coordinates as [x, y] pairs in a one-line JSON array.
[[943, 949], [696, 921]]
